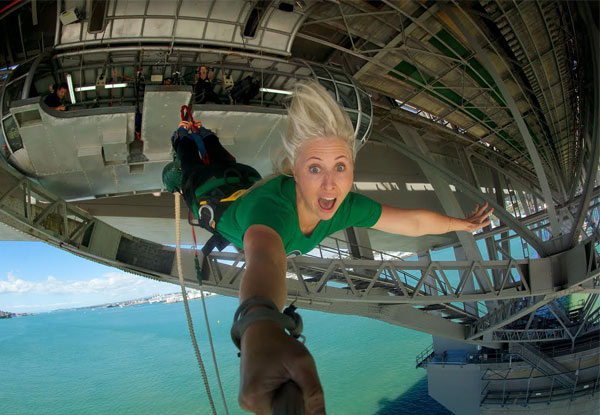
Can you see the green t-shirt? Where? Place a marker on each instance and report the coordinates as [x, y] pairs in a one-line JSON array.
[[273, 204]]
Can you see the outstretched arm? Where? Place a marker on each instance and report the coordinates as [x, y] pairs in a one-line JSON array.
[[418, 222], [269, 356]]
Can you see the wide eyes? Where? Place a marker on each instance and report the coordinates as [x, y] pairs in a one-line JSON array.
[[316, 169]]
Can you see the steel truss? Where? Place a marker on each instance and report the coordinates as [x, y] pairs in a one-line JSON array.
[[426, 295]]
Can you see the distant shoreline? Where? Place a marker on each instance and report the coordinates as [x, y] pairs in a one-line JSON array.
[[8, 314], [155, 299]]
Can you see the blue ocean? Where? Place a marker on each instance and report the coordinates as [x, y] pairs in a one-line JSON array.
[[139, 360]]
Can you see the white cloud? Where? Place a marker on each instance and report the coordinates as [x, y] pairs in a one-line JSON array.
[[112, 284], [37, 307]]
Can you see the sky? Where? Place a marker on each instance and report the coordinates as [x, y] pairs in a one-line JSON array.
[[36, 277]]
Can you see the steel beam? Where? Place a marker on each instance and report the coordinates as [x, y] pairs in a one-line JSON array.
[[529, 335], [57, 30], [390, 300], [533, 68], [553, 49], [594, 135], [518, 176], [447, 199], [394, 42], [535, 158], [434, 35], [473, 193], [507, 313]]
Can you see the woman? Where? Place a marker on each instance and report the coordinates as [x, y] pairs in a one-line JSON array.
[[308, 199], [203, 87]]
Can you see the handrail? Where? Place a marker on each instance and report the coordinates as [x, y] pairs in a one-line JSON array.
[[538, 396], [425, 355]]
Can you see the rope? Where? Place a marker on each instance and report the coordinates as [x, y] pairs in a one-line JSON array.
[[185, 303], [212, 347], [123, 76]]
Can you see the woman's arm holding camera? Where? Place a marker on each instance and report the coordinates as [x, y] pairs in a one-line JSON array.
[[269, 356]]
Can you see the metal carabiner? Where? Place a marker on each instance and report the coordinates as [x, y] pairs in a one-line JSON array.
[[211, 212]]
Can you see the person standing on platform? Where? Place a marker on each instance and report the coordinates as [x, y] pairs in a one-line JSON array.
[[203, 88]]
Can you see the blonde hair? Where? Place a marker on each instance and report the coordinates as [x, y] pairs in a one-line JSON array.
[[312, 113]]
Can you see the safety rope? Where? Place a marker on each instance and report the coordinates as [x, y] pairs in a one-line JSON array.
[[212, 347], [185, 302]]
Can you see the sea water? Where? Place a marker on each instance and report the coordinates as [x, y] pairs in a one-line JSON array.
[[139, 360]]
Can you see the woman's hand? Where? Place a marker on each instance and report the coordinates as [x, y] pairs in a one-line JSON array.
[[477, 219], [270, 357]]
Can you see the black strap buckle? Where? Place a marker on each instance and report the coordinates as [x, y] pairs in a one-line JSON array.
[[288, 320]]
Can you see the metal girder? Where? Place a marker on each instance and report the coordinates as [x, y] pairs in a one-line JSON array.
[[529, 335], [539, 114], [590, 323], [390, 282], [449, 202], [473, 193], [560, 314], [587, 308], [592, 167], [537, 219], [412, 282], [535, 158], [553, 49], [533, 68], [507, 313], [34, 14], [58, 26], [517, 176], [333, 18], [394, 42], [377, 62], [493, 160], [517, 308], [394, 291], [465, 62]]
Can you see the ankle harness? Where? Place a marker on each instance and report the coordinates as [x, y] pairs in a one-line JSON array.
[[288, 320]]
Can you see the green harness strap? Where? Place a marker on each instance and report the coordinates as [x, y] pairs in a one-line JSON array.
[[214, 184]]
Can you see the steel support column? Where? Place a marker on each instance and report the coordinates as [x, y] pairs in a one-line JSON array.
[[475, 194], [594, 134], [535, 158], [447, 199]]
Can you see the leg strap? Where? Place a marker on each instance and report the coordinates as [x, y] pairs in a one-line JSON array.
[[215, 241], [288, 320]]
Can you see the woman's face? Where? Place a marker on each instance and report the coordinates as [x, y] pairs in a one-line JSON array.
[[324, 175]]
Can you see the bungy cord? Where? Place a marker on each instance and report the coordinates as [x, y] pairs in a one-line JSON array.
[[188, 315]]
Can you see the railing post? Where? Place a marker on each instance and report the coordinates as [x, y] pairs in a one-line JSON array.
[[551, 388], [576, 379]]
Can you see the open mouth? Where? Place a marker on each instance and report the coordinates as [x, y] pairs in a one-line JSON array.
[[327, 204]]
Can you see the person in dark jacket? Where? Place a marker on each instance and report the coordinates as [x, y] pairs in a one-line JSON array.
[[56, 99], [203, 89]]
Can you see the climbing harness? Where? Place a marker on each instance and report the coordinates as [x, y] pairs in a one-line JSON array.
[[212, 198]]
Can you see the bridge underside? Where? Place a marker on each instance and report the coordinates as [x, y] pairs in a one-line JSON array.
[[453, 104], [487, 300]]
